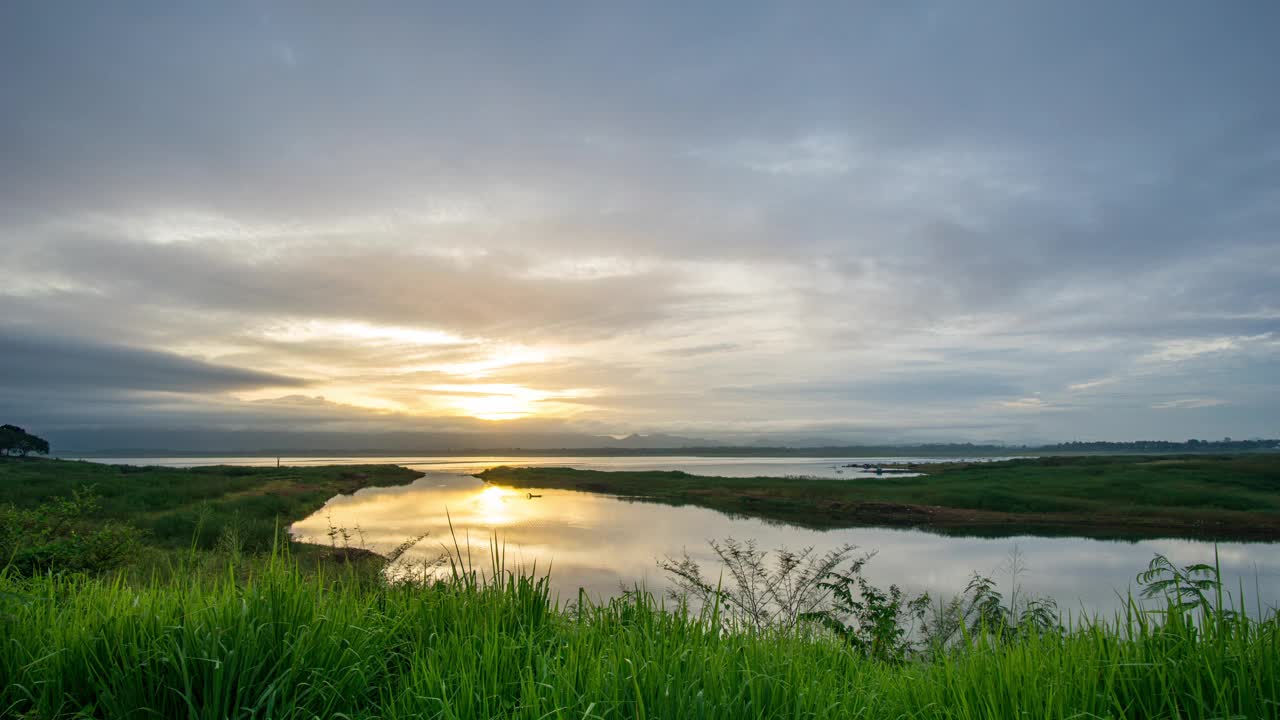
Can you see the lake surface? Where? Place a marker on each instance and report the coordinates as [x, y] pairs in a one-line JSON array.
[[723, 466], [603, 544]]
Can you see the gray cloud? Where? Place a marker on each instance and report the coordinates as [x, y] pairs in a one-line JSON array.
[[926, 213], [914, 388], [67, 364], [393, 285]]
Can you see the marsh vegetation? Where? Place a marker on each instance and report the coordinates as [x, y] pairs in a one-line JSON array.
[[216, 628], [53, 512], [1212, 497], [282, 642]]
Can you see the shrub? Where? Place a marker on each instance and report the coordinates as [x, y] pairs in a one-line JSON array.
[[55, 537]]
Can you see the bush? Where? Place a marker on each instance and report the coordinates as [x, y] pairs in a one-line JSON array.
[[55, 537]]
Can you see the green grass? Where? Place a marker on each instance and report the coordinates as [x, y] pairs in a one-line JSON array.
[[283, 644], [216, 634], [1221, 497], [174, 506]]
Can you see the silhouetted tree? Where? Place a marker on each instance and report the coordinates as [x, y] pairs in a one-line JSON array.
[[8, 439], [15, 440]]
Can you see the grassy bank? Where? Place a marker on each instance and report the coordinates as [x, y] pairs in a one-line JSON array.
[[176, 507], [282, 644], [1212, 497], [228, 633]]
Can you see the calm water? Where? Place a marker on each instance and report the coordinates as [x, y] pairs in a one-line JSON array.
[[602, 543], [730, 467]]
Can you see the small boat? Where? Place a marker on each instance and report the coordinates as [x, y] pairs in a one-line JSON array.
[[532, 496]]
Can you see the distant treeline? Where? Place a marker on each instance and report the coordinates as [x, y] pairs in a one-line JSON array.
[[1226, 445], [1193, 445], [948, 450]]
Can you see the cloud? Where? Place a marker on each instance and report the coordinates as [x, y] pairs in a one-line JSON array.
[[1178, 350], [1188, 403], [1091, 384], [1026, 403], [67, 364], [694, 350], [734, 218], [398, 286]]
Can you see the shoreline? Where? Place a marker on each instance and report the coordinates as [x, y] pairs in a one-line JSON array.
[[1101, 498]]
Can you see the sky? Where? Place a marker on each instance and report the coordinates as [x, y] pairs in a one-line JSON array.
[[866, 222]]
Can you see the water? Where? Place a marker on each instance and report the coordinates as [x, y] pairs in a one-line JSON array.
[[603, 544], [723, 466]]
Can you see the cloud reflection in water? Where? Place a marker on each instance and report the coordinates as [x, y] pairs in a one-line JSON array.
[[602, 543]]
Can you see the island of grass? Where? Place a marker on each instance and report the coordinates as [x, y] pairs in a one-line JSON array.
[[1209, 497], [185, 508]]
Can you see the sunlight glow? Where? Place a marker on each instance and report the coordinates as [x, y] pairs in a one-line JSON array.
[[499, 358], [382, 334], [492, 401], [491, 505], [502, 401]]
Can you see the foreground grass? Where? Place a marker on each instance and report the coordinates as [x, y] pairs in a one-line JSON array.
[[176, 507], [232, 634], [284, 644], [1215, 497]]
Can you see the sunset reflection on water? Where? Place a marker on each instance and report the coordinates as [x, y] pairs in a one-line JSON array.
[[603, 544]]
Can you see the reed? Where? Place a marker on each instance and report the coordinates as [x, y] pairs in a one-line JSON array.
[[272, 641]]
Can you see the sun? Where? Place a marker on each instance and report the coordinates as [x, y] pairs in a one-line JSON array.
[[496, 407], [491, 401], [502, 401]]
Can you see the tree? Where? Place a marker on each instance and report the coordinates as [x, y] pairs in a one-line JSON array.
[[15, 440]]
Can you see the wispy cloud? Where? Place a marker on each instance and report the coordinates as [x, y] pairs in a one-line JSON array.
[[1092, 384], [1188, 403], [1026, 403], [1186, 349]]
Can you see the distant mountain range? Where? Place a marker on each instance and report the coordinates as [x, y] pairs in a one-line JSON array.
[[149, 442], [660, 440], [135, 442]]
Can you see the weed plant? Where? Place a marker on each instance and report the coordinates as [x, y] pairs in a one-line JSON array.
[[486, 642]]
